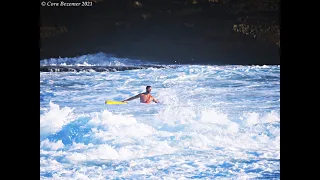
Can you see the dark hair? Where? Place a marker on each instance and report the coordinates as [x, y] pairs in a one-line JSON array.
[[148, 87]]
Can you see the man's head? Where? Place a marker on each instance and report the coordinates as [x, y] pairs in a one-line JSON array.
[[148, 89]]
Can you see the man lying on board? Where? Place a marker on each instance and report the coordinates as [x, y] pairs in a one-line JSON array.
[[144, 97]]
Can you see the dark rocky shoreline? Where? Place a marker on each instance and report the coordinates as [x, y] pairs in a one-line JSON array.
[[194, 32]]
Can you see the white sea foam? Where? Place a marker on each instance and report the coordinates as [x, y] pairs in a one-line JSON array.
[[53, 120]]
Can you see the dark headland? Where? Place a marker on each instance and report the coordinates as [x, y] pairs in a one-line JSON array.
[[172, 31]]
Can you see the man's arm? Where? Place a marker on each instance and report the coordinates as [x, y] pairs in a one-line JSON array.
[[132, 98], [155, 100]]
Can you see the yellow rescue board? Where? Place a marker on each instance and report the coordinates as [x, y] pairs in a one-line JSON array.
[[115, 102]]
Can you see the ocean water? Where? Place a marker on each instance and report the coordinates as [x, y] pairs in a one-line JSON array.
[[212, 122]]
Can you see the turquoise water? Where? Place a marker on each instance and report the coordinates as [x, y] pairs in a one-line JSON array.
[[213, 122]]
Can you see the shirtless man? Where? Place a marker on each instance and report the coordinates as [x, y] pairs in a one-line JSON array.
[[144, 97]]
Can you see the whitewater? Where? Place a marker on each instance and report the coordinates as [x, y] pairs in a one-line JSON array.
[[212, 122]]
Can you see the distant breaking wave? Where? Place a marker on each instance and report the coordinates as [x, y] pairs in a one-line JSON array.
[[99, 62], [99, 59], [102, 62]]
